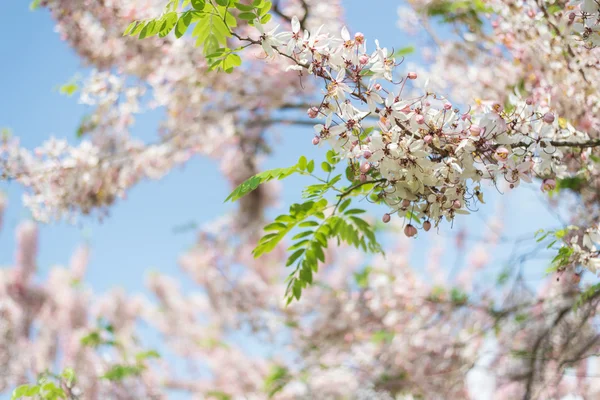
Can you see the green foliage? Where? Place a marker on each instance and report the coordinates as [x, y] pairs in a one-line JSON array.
[[587, 295], [362, 278], [520, 318], [35, 4], [252, 183], [563, 258], [214, 22], [276, 380], [464, 11], [86, 125], [217, 395], [503, 277], [554, 9], [458, 297], [575, 183], [119, 372], [104, 335], [48, 387], [315, 228], [382, 337], [69, 88], [404, 51]]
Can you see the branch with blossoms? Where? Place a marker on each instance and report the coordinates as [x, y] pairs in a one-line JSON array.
[[430, 158]]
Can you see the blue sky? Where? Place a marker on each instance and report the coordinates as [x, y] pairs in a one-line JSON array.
[[139, 236]]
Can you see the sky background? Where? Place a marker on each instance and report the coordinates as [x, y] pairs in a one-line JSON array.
[[139, 235]]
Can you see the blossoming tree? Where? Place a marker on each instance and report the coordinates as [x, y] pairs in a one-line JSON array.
[[508, 98]]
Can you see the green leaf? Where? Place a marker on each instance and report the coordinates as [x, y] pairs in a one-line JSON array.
[[297, 290], [212, 29], [404, 51], [198, 5], [354, 211], [169, 21], [119, 372], [253, 182], [276, 380], [275, 226], [362, 278], [292, 259], [69, 88], [247, 16], [244, 7], [147, 29], [310, 167], [223, 3], [331, 157], [308, 224], [265, 18], [554, 9], [265, 8], [25, 391], [326, 167], [218, 395], [146, 355], [68, 375], [382, 337], [306, 275], [34, 5], [183, 24], [92, 340], [344, 205], [302, 235], [130, 28], [302, 162]]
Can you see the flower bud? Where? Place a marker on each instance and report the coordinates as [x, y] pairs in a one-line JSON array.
[[367, 154], [316, 140], [363, 59], [501, 153], [362, 178], [420, 119], [426, 226], [405, 203], [475, 130], [548, 185], [365, 167], [447, 106], [412, 75], [529, 102], [428, 139], [410, 230], [377, 86], [572, 16], [313, 112], [548, 118], [456, 204], [386, 218]]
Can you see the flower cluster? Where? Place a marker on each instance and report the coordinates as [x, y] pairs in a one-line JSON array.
[[528, 47], [428, 157], [586, 21]]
